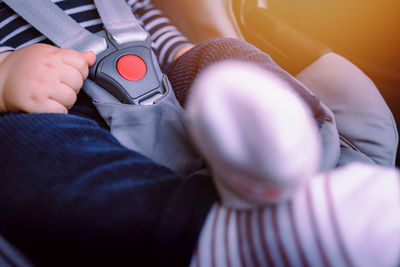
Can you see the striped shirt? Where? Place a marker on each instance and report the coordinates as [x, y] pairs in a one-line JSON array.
[[16, 33]]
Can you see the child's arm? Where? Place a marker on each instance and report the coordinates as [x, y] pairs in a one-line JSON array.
[[168, 42], [42, 78]]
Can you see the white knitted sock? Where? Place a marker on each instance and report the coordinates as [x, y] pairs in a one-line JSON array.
[[255, 132]]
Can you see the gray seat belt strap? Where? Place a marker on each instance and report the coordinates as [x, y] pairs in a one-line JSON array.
[[119, 21], [125, 83], [125, 38], [63, 30]]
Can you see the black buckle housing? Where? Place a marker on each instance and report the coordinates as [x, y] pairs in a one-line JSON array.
[[104, 72]]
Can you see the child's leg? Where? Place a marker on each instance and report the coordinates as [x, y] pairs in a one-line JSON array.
[[71, 194], [354, 99], [349, 217], [183, 71]]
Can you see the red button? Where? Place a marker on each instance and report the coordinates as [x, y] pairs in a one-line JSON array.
[[131, 67]]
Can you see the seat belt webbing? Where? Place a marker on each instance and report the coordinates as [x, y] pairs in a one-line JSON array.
[[150, 114], [60, 28], [65, 32], [119, 21]]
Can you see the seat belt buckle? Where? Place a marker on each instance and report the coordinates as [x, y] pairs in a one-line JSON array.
[[130, 72]]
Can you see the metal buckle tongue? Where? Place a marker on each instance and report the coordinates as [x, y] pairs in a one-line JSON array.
[[130, 72]]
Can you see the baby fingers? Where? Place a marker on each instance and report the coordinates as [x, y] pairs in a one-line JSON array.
[[71, 77], [52, 106], [64, 95], [47, 106], [75, 60]]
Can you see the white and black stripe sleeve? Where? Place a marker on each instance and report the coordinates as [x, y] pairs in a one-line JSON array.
[[16, 33]]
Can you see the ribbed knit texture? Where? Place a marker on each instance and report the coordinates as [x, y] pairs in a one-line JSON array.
[[71, 195], [183, 71]]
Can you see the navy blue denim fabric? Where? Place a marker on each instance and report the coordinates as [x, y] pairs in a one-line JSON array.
[[70, 194]]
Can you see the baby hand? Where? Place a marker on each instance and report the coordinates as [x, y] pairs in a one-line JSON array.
[[42, 78]]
